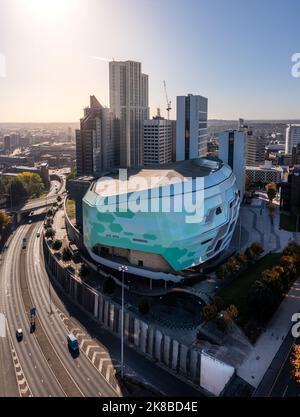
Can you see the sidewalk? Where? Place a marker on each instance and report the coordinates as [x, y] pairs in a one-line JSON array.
[[255, 366]]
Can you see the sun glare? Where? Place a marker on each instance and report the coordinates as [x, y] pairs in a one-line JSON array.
[[46, 8]]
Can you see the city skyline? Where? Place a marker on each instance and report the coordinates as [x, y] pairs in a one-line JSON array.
[[60, 55]]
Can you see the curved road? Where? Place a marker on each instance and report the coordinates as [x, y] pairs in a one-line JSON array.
[[43, 356]]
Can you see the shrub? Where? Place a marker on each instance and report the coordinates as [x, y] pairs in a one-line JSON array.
[[67, 254], [50, 233], [57, 244]]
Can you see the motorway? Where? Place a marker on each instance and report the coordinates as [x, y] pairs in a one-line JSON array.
[[43, 363]]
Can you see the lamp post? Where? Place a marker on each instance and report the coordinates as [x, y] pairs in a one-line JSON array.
[[122, 269]]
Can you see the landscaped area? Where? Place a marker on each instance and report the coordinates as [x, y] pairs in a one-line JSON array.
[[70, 208], [236, 292]]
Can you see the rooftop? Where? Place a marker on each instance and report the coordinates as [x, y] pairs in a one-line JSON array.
[[154, 176]]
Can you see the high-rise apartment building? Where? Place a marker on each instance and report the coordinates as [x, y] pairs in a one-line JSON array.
[[292, 137], [232, 151], [191, 127], [255, 150], [128, 95], [96, 140], [157, 141]]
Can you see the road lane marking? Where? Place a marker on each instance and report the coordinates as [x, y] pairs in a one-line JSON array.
[[2, 325]]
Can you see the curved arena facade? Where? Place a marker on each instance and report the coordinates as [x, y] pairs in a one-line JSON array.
[[151, 228]]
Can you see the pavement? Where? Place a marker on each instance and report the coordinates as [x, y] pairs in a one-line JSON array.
[[277, 381], [257, 363]]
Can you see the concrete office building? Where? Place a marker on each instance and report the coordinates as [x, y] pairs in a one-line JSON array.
[[157, 141], [292, 137], [191, 127], [232, 151], [97, 140], [128, 96], [255, 150]]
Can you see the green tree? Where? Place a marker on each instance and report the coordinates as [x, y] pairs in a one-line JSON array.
[[18, 191], [50, 233], [66, 254], [33, 183], [57, 244]]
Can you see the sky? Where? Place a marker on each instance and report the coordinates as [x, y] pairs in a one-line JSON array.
[[235, 52]]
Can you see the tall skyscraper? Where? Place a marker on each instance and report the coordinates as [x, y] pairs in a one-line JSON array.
[[255, 150], [96, 140], [128, 95], [157, 141], [292, 137], [232, 151], [191, 127]]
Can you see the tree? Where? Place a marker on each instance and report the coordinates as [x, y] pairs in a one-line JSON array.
[[33, 183], [232, 265], [144, 306], [57, 244], [109, 286], [232, 312], [18, 191], [249, 254], [50, 233], [66, 254], [59, 198], [256, 248], [295, 362], [271, 191], [209, 312], [272, 278], [5, 220]]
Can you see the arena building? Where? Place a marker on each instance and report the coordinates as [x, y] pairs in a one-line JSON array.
[[144, 218]]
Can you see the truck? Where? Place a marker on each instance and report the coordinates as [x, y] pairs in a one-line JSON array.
[[73, 343]]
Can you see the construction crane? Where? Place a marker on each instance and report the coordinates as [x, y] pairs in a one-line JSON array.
[[168, 101]]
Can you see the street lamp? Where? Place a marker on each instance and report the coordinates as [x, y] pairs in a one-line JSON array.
[[122, 269]]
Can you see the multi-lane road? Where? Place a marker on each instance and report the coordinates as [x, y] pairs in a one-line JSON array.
[[41, 363]]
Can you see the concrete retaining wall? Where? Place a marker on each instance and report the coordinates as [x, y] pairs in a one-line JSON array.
[[148, 340]]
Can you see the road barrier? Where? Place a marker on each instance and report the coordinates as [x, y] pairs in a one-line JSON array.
[[179, 359]]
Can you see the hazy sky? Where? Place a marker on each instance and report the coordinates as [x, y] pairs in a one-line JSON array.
[[235, 52]]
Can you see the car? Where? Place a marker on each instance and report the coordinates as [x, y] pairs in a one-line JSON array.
[[30, 221], [19, 334], [38, 234]]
